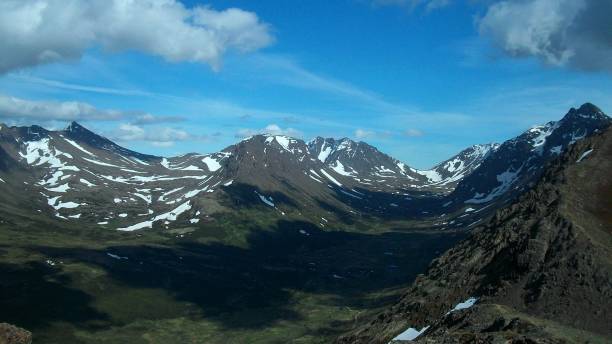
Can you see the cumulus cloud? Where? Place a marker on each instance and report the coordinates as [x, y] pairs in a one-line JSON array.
[[572, 33], [34, 32], [271, 129], [161, 137]]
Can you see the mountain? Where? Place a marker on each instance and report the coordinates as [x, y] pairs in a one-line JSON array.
[[78, 133], [518, 162], [540, 271], [380, 172], [74, 175], [449, 173], [365, 164]]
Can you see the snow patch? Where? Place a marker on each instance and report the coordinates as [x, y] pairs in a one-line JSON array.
[[62, 188], [464, 305], [325, 152], [330, 178], [114, 256], [212, 164], [410, 334], [266, 200], [77, 146], [584, 155], [84, 181], [169, 216]]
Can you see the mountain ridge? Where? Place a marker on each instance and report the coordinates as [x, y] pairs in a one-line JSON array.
[[318, 179], [516, 271]]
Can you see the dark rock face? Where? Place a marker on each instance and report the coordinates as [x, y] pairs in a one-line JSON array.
[[10, 334], [540, 268], [519, 162]]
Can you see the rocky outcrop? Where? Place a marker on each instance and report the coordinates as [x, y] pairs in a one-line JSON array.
[[10, 334]]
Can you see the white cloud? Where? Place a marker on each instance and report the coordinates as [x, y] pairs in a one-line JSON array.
[[271, 129], [17, 108], [44, 110], [429, 5], [363, 134], [160, 137], [413, 133], [573, 33], [147, 118], [372, 134], [34, 32]]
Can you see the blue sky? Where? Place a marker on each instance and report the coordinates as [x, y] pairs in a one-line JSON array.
[[420, 80]]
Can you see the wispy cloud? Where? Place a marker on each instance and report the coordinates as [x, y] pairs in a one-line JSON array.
[[77, 87], [413, 133], [428, 5], [286, 71], [208, 107], [150, 119], [362, 134]]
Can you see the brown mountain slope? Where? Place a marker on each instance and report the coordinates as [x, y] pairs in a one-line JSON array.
[[541, 268]]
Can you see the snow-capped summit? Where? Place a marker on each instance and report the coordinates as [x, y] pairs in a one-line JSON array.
[[518, 161], [365, 163], [448, 173]]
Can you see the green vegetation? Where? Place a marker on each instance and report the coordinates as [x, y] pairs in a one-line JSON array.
[[265, 280]]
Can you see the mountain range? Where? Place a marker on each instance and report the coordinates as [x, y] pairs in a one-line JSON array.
[[275, 239], [75, 175]]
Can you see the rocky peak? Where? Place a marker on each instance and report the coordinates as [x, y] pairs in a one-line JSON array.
[[586, 111], [75, 127]]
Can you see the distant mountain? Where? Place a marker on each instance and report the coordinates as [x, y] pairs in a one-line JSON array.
[[450, 172], [540, 271], [366, 164], [77, 132], [77, 176]]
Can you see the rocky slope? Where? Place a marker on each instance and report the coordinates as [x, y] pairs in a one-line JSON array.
[[540, 271], [10, 334]]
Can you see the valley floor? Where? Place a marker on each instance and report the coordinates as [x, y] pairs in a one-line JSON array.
[[290, 284]]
